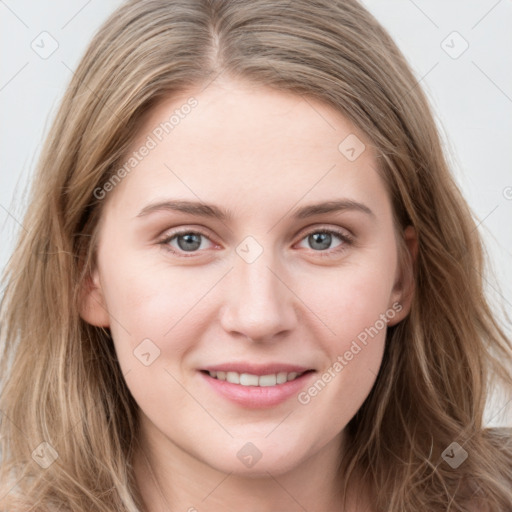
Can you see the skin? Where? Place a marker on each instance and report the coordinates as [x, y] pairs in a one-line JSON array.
[[260, 154]]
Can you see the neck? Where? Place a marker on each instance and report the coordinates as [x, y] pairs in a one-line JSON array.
[[174, 480]]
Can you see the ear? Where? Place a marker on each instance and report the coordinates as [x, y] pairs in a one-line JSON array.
[[93, 308], [403, 289]]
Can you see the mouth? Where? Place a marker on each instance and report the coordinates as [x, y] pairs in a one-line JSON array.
[[255, 386], [250, 379]]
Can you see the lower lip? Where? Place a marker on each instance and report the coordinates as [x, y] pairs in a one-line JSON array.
[[255, 397]]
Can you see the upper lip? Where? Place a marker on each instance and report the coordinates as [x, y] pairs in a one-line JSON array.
[[257, 369]]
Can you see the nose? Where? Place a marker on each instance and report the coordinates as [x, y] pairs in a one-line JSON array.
[[259, 304]]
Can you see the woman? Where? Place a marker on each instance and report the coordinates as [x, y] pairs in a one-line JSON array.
[[250, 279]]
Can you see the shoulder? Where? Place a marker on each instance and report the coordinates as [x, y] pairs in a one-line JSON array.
[[501, 433], [501, 439], [499, 442]]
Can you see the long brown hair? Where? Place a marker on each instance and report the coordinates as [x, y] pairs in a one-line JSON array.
[[60, 380]]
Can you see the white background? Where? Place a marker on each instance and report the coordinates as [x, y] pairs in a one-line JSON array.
[[471, 96]]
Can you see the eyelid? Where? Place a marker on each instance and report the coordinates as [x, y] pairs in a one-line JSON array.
[[338, 230]]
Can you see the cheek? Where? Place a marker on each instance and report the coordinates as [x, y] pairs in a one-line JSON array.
[[355, 309], [155, 302], [151, 311], [349, 300]]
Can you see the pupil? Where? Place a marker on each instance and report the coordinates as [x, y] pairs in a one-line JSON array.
[[189, 241], [320, 240]]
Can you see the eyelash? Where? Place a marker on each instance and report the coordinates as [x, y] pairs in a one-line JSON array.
[[346, 240]]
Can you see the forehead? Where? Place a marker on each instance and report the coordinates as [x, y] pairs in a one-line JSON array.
[[249, 145]]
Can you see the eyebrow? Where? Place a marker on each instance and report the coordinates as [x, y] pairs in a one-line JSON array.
[[200, 209], [192, 207], [330, 207]]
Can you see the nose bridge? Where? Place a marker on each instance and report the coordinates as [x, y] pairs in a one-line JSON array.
[[257, 283], [259, 305]]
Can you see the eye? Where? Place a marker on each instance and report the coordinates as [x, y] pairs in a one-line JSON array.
[[185, 241], [321, 240]]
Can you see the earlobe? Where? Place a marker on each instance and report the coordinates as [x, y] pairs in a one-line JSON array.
[[403, 291], [93, 308]]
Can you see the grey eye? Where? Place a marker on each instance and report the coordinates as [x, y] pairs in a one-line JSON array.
[[320, 241], [189, 241]]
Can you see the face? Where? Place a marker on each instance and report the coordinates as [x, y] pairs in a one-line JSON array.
[[253, 242]]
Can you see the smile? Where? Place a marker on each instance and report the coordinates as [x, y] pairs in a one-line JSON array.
[[248, 379], [254, 387]]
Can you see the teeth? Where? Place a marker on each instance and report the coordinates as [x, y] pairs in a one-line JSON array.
[[268, 380], [282, 377], [247, 379], [233, 377]]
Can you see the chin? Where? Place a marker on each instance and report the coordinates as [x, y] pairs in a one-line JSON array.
[[249, 461]]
